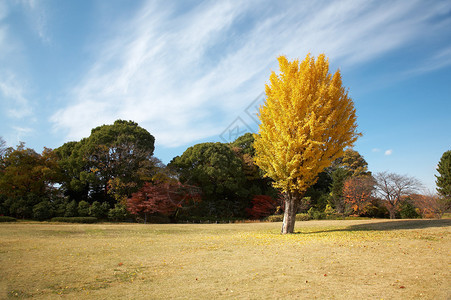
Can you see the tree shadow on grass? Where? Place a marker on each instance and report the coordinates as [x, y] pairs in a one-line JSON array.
[[389, 225]]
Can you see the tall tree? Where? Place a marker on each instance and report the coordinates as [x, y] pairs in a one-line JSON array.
[[217, 170], [443, 180], [391, 187], [117, 152], [306, 122]]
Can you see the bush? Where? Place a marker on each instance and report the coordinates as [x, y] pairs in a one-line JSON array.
[[275, 218], [118, 213], [83, 208], [42, 211], [315, 214], [99, 210], [302, 217], [7, 219], [357, 218], [335, 216], [407, 211], [71, 209], [87, 220]]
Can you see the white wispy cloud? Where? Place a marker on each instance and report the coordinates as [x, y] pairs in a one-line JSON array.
[[185, 75], [37, 15], [13, 97], [388, 152]]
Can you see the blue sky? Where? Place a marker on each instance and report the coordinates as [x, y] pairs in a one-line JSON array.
[[193, 71]]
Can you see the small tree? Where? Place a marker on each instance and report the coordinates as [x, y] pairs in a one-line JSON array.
[[160, 197], [99, 210], [357, 192], [392, 187], [42, 211], [118, 213], [306, 122], [71, 209], [83, 208]]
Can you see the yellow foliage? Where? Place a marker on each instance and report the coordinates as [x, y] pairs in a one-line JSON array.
[[306, 122]]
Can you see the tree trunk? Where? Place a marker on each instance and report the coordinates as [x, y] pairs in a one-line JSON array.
[[391, 207], [392, 213], [289, 216]]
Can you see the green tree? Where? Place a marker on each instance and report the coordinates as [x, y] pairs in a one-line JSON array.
[[216, 169], [83, 209], [42, 211], [407, 210], [306, 122], [71, 209], [118, 213], [99, 210], [117, 152], [339, 177], [443, 179], [245, 144]]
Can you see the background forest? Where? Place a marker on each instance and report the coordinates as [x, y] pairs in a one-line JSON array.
[[113, 175]]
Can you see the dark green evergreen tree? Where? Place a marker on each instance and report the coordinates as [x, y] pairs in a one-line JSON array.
[[443, 180]]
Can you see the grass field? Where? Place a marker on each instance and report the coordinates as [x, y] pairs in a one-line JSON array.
[[359, 259]]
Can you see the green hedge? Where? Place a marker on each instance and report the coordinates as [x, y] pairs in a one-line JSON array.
[[75, 219], [7, 219], [303, 217], [275, 218], [279, 218]]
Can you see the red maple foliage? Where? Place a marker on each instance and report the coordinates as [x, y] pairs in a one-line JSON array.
[[161, 197], [262, 206]]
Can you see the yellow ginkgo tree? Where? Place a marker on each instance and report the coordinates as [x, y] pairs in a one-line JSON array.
[[307, 121]]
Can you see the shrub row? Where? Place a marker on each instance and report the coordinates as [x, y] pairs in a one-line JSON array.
[[7, 219], [279, 218], [87, 220], [315, 216]]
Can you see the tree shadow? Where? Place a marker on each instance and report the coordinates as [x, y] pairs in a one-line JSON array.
[[389, 225]]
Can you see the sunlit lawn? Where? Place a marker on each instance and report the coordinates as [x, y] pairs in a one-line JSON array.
[[365, 259]]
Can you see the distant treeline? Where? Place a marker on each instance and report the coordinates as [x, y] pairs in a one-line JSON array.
[[113, 175]]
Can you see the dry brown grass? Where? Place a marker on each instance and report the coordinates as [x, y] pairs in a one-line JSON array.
[[365, 259]]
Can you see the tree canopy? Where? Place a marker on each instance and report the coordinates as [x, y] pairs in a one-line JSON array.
[[218, 171], [306, 122], [121, 152]]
